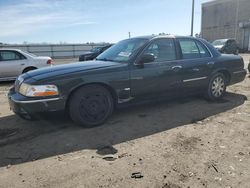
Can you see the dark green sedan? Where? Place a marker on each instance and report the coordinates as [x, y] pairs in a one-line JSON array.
[[132, 70]]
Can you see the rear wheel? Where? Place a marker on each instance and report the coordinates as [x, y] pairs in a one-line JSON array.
[[217, 87], [91, 105]]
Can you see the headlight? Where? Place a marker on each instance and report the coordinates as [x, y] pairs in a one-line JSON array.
[[38, 90]]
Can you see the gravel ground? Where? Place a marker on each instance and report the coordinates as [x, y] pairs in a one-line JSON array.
[[181, 143]]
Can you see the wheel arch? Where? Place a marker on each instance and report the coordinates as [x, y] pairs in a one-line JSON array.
[[29, 68], [225, 72], [105, 85]]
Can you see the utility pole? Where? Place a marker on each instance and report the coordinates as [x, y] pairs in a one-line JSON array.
[[192, 20], [129, 35], [236, 20]]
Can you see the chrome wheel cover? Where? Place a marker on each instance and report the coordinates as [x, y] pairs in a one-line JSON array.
[[218, 86]]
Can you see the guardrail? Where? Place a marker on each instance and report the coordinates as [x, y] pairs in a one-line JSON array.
[[54, 50]]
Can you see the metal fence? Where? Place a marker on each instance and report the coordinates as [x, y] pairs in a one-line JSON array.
[[54, 50]]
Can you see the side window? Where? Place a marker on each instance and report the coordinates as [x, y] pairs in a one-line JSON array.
[[229, 42], [105, 48], [232, 43], [163, 50], [189, 49], [192, 50], [10, 55]]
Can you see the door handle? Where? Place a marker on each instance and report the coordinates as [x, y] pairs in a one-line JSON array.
[[22, 64], [196, 69], [211, 63], [176, 68]]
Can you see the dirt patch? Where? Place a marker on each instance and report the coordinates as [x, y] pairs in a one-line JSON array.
[[170, 185], [186, 144], [106, 150]]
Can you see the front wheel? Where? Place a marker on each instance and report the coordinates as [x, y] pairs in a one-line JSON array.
[[91, 105], [217, 87]]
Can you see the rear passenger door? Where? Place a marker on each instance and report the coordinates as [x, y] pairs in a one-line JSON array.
[[11, 63], [196, 62]]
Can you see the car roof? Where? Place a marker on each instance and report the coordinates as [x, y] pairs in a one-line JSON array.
[[225, 39], [150, 37], [13, 49]]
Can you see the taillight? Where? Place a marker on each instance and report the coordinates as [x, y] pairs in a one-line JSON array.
[[49, 62]]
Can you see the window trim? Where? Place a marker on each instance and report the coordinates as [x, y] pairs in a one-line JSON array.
[[211, 54], [20, 54], [203, 46]]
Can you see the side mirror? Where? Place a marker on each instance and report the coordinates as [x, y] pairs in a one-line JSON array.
[[146, 58]]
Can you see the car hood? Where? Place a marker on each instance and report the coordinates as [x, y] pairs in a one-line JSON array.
[[87, 53], [59, 70]]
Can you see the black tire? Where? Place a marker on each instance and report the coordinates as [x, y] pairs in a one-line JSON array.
[[216, 87], [91, 105], [29, 69]]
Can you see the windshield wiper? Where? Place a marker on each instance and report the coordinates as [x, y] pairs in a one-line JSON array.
[[104, 59]]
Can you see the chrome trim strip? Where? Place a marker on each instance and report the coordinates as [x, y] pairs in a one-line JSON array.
[[137, 78], [35, 101], [177, 66], [194, 79], [120, 101], [237, 72], [8, 79]]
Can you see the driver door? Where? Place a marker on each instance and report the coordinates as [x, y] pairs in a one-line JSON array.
[[160, 76]]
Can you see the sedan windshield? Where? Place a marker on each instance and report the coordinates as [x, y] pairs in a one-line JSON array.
[[219, 42], [123, 51], [96, 49]]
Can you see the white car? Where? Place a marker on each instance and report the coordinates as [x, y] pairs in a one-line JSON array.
[[14, 62]]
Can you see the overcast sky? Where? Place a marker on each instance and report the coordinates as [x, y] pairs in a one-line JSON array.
[[78, 21]]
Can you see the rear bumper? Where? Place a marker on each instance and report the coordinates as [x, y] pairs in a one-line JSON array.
[[238, 76], [24, 105]]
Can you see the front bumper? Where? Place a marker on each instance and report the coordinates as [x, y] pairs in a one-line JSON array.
[[22, 105], [238, 76]]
